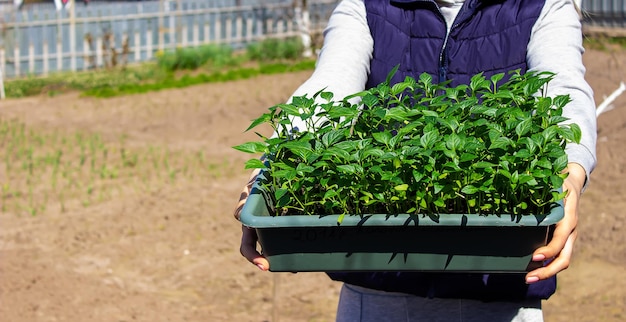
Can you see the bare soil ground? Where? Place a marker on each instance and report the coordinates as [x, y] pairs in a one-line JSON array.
[[171, 253]]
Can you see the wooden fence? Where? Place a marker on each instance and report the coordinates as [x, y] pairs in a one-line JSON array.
[[40, 40]]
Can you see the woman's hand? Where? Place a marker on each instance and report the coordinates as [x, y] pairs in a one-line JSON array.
[[248, 235], [561, 247]]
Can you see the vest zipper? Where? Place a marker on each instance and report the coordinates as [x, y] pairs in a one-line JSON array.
[[443, 57]]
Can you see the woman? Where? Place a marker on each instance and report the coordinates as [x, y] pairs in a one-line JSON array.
[[453, 40]]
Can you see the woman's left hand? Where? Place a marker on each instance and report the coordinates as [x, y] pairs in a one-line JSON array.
[[561, 247]]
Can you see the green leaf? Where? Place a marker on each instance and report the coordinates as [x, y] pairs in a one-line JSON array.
[[255, 164], [530, 144], [439, 203], [505, 173], [399, 88], [560, 163], [265, 118], [549, 133], [382, 137], [561, 100], [478, 82], [523, 154], [484, 110], [429, 138], [496, 78], [280, 192], [286, 174], [453, 141], [556, 181], [576, 131], [527, 179], [290, 109], [251, 147], [397, 114], [467, 157], [373, 152], [544, 163], [469, 190], [332, 137], [348, 168], [393, 71], [417, 176], [334, 152], [501, 143], [402, 187], [329, 194], [430, 113], [523, 127], [557, 119], [303, 169], [328, 96], [299, 148]]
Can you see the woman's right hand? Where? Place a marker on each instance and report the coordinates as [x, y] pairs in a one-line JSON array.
[[249, 237]]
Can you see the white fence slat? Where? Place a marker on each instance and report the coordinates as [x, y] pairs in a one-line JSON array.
[[196, 35], [184, 39], [31, 58], [2, 67], [137, 47], [149, 44], [99, 50], [46, 59], [59, 55], [16, 60]]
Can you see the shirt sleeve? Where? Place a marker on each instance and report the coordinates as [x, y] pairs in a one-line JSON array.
[[556, 46], [343, 63]]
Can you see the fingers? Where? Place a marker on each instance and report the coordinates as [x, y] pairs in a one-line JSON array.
[[249, 237], [560, 262], [248, 249], [560, 248]]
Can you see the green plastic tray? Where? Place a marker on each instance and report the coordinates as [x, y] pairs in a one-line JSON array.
[[378, 242]]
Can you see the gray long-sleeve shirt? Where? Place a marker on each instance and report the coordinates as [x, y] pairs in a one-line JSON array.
[[555, 45]]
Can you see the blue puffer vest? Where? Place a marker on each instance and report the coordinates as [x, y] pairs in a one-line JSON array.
[[488, 36]]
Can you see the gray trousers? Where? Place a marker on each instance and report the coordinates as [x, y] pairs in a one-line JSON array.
[[363, 304]]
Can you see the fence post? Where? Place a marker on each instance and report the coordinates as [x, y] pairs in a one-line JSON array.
[[99, 52], [149, 44], [17, 60], [229, 30], [2, 65], [249, 35], [59, 54], [137, 47], [161, 28], [73, 35], [196, 34], [46, 58], [31, 58], [239, 27], [183, 39], [87, 54], [302, 22]]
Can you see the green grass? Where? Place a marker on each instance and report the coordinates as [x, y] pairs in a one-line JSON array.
[[173, 69], [41, 170], [604, 43], [170, 81]]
